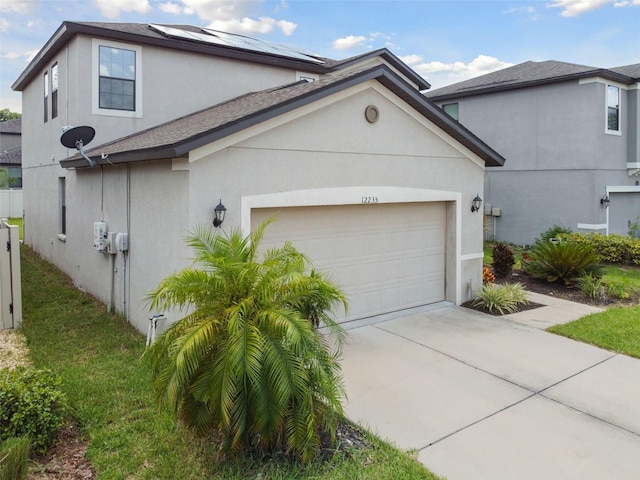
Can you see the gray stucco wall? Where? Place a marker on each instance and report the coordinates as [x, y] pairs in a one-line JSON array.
[[559, 161]]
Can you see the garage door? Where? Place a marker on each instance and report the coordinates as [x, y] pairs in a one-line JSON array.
[[386, 257]]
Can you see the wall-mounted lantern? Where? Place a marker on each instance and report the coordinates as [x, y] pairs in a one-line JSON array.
[[476, 203], [219, 212], [605, 201]]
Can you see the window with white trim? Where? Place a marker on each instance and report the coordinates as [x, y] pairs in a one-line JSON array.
[[117, 79], [54, 90], [613, 109], [46, 96]]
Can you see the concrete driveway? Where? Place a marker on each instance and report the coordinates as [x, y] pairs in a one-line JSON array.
[[489, 397]]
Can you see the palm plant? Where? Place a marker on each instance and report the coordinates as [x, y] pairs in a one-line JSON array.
[[247, 361], [563, 261]]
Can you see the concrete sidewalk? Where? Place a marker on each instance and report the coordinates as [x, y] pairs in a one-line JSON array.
[[491, 397]]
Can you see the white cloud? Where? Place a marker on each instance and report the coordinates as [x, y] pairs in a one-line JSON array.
[[457, 71], [529, 11], [263, 25], [112, 8], [348, 42], [574, 8], [21, 7], [237, 16], [4, 25], [28, 55], [170, 7], [411, 59]]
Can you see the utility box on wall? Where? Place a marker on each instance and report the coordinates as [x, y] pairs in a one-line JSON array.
[[100, 236]]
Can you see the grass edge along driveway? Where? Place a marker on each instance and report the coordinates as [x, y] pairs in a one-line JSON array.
[[616, 329]]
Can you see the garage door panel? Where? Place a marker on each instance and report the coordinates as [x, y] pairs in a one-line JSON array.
[[386, 257]]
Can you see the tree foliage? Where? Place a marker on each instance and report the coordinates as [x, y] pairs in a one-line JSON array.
[[247, 362], [6, 114]]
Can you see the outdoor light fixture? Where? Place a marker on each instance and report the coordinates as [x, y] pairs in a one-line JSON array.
[[476, 203], [219, 211], [604, 201]]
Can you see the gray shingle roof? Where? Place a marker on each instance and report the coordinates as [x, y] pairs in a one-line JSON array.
[[141, 33], [11, 126], [530, 74], [11, 157], [176, 138]]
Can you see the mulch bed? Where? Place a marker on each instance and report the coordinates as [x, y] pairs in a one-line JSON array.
[[65, 460], [569, 292]]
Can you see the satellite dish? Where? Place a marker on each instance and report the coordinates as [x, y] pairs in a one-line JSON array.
[[78, 137]]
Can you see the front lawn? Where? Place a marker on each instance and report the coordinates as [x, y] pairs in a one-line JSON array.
[[616, 329], [98, 357]]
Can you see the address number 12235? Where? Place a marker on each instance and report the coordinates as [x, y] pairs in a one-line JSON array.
[[369, 199]]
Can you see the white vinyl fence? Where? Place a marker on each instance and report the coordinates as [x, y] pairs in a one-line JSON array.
[[11, 203], [10, 283]]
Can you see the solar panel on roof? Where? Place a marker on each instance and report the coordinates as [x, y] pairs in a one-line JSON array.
[[255, 44], [186, 35], [237, 41]]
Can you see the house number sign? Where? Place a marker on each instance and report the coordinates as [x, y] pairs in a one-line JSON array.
[[369, 199]]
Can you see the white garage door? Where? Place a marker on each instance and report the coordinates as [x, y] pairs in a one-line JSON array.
[[386, 257]]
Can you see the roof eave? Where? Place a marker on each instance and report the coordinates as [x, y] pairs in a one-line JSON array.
[[68, 30], [605, 73], [381, 73]]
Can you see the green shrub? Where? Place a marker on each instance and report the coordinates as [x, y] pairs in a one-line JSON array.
[[617, 290], [593, 287], [505, 298], [14, 457], [611, 248], [563, 261], [31, 404], [553, 232], [503, 260]]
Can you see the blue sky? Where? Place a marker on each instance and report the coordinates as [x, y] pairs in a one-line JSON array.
[[444, 41]]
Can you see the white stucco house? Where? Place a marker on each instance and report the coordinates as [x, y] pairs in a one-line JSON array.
[[364, 174]]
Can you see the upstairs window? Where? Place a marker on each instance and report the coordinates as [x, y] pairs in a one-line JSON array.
[[46, 96], [613, 109], [116, 86], [54, 90], [117, 82], [451, 109]]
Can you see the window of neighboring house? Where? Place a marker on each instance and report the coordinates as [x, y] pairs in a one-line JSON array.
[[46, 96], [117, 78], [451, 109], [15, 177], [613, 109], [54, 90], [62, 194]]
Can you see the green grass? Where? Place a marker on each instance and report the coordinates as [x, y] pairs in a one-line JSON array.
[[627, 277], [97, 355], [18, 222], [616, 329]]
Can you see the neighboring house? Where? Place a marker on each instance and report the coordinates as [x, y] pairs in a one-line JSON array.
[[570, 136], [364, 174], [10, 154]]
